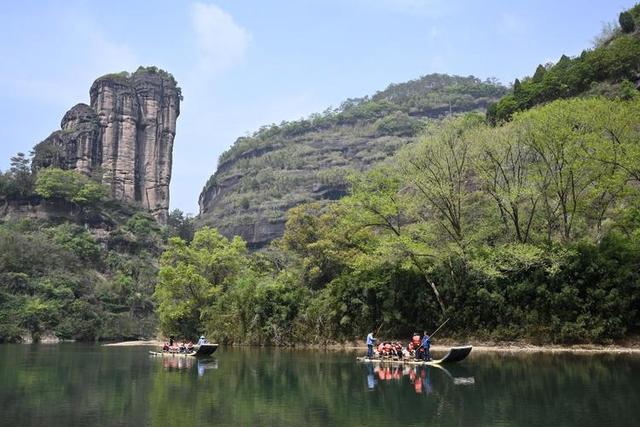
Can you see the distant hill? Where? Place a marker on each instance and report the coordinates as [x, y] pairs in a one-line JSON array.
[[611, 68], [281, 166]]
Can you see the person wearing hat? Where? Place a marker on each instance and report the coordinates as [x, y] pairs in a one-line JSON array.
[[202, 340]]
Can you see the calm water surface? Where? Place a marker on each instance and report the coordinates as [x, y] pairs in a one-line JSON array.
[[90, 385]]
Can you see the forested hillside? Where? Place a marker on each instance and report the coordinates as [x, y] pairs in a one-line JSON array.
[[262, 176], [611, 68], [75, 264], [528, 230], [521, 227]]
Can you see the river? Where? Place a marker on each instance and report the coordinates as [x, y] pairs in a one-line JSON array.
[[92, 385]]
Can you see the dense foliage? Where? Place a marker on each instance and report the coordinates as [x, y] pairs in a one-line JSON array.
[[87, 271], [527, 230], [608, 69]]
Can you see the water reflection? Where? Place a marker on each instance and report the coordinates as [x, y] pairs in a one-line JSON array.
[[177, 363], [419, 377], [182, 363], [205, 364], [84, 385]]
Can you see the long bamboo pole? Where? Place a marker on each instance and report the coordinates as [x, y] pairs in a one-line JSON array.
[[439, 327]]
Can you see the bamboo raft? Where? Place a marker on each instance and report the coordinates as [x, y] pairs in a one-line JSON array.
[[203, 350], [455, 354]]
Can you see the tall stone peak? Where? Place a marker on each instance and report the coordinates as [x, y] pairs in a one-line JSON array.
[[124, 137]]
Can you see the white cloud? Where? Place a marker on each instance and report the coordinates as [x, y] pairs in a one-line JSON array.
[[221, 42]]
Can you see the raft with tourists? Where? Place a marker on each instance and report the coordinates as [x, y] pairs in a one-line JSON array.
[[417, 352], [455, 354], [202, 349]]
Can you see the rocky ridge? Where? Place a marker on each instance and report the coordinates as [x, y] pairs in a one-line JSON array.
[[123, 138]]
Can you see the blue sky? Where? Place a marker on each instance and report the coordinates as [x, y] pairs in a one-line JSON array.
[[243, 64]]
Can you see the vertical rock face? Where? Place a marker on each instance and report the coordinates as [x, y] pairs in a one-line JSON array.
[[125, 137]]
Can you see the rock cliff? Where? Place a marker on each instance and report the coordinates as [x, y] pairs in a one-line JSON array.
[[124, 138], [262, 176]]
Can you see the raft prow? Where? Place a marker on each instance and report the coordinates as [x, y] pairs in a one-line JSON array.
[[456, 354]]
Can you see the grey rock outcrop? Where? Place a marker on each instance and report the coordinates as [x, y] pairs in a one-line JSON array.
[[124, 138]]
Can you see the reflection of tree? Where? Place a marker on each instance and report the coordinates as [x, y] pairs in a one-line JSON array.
[[72, 385], [282, 388], [554, 389], [81, 385]]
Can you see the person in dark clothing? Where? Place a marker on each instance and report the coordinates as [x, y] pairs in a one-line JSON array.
[[370, 341], [426, 347]]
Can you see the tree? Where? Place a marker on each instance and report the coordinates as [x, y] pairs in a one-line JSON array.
[[504, 163], [516, 86], [539, 74], [192, 276], [69, 185], [37, 316], [89, 193], [439, 169], [320, 236], [379, 202], [568, 181], [20, 173], [180, 225], [6, 184], [618, 144], [54, 183], [628, 91], [627, 23]]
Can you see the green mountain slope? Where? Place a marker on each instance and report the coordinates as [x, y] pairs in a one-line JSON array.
[[72, 272], [611, 68], [281, 166], [75, 264]]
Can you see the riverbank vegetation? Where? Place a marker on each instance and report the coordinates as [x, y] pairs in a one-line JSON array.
[[526, 230]]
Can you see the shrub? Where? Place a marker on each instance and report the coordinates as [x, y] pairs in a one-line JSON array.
[[626, 22], [69, 185]]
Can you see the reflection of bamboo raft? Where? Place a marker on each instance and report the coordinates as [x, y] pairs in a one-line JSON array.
[[455, 354], [200, 351]]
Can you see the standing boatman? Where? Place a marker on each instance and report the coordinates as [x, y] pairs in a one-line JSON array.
[[426, 346], [370, 341]]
